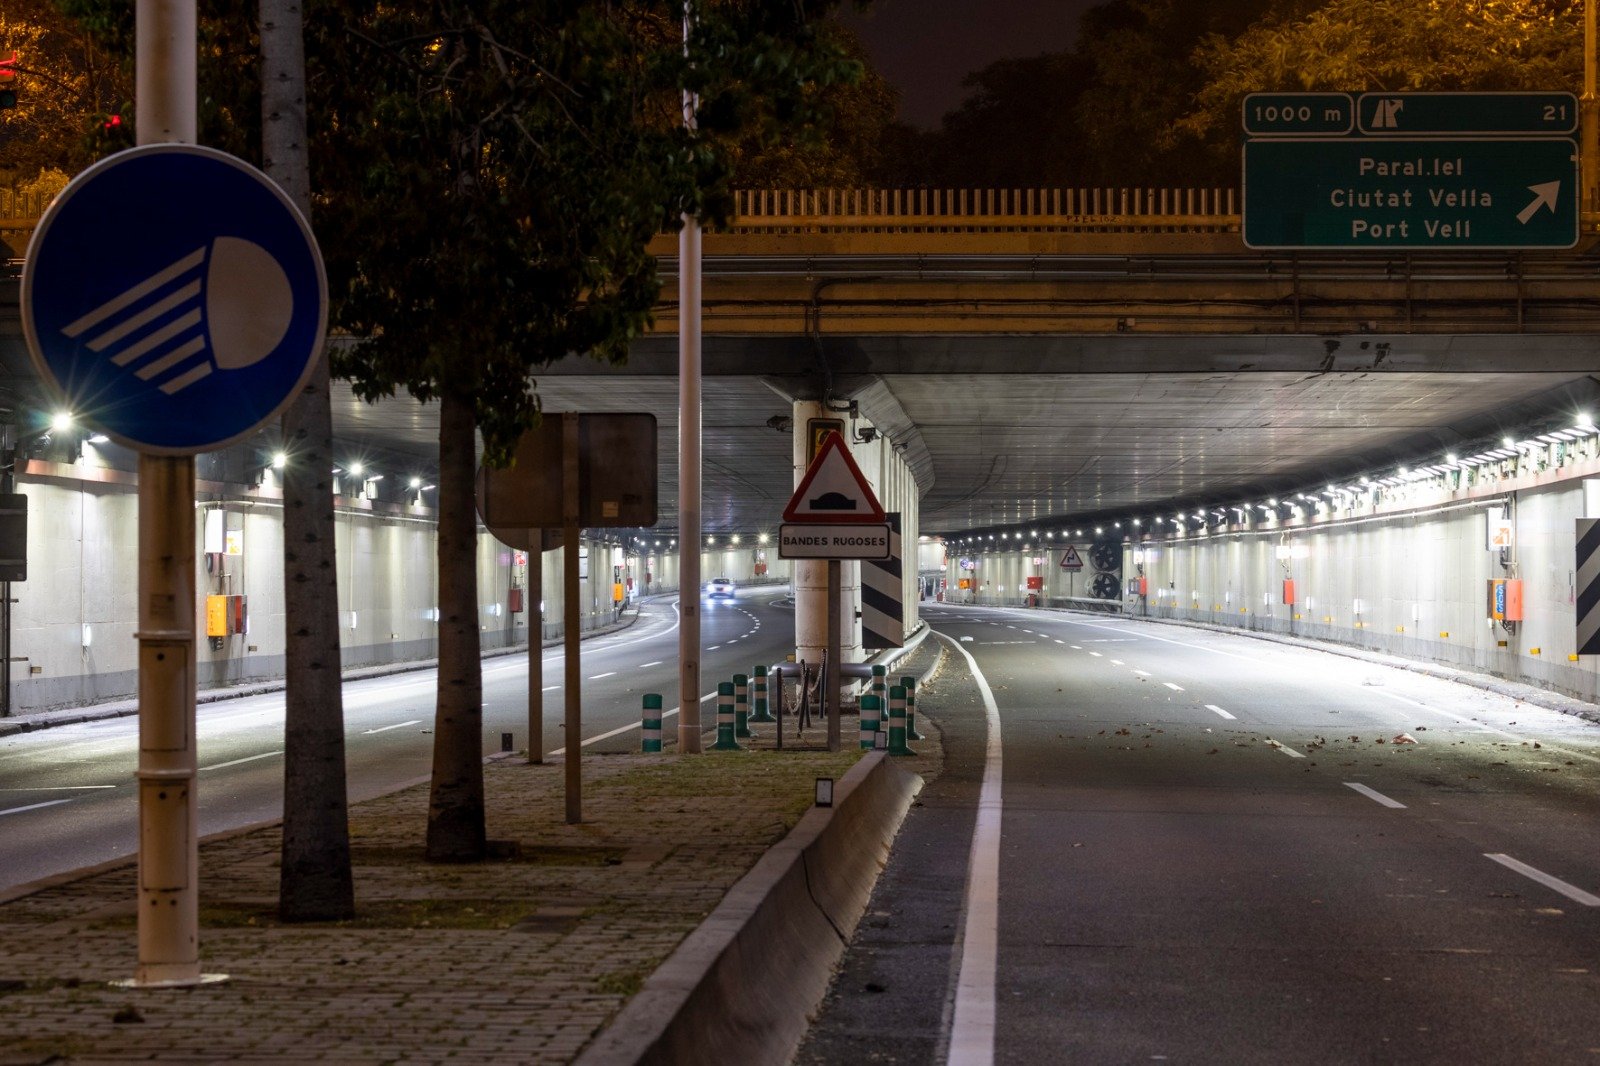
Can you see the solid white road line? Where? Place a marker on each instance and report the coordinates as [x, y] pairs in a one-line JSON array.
[[1375, 795], [240, 762], [1219, 710], [36, 806], [972, 1031], [386, 728], [1572, 892], [1175, 688]]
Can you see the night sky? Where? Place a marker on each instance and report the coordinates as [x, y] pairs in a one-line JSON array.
[[925, 47]]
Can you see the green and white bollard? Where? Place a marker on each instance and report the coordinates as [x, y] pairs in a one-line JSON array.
[[725, 722], [651, 730], [880, 686], [870, 708], [741, 707], [910, 684], [758, 685], [897, 721]]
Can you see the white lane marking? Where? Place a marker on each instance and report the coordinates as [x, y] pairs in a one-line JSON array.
[[549, 688], [1572, 892], [1175, 688], [240, 762], [1219, 710], [59, 788], [1118, 662], [972, 1031], [1286, 749], [714, 647], [1097, 655], [1060, 642], [1375, 795], [36, 806], [1143, 673], [597, 677], [629, 728], [386, 728], [646, 666], [1075, 647]]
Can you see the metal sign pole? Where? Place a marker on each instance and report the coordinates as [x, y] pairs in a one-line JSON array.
[[169, 857], [832, 685], [689, 400], [569, 614], [534, 609]]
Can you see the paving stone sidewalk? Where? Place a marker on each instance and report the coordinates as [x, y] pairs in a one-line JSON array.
[[519, 960]]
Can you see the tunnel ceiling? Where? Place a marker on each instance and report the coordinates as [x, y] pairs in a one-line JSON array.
[[1001, 448], [996, 436]]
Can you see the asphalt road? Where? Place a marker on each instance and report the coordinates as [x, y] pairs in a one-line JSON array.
[[1207, 848], [68, 798]]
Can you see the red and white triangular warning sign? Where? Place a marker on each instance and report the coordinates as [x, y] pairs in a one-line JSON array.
[[833, 489], [1071, 560]]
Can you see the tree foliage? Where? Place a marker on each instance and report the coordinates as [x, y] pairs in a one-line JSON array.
[[1387, 45], [67, 83]]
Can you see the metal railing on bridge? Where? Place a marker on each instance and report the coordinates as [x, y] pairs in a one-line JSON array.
[[985, 211]]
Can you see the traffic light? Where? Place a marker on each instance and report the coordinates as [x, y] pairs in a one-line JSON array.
[[8, 74]]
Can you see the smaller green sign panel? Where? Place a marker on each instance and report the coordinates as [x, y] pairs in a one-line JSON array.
[[1421, 114], [1378, 193], [1298, 114]]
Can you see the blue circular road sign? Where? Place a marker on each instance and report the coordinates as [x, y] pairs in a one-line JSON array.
[[175, 297]]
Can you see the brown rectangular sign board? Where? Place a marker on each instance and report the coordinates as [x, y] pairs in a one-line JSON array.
[[617, 476]]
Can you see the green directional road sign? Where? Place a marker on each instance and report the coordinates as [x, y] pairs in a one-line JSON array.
[[1383, 193], [1420, 114], [1298, 114]]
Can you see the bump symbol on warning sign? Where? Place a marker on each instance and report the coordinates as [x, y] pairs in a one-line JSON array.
[[1071, 560], [833, 489]]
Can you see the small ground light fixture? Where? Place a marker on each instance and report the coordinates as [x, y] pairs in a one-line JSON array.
[[824, 792]]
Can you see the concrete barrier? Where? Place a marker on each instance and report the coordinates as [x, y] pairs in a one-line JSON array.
[[741, 986]]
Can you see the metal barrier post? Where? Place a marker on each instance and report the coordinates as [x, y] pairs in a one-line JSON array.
[[651, 727], [725, 723]]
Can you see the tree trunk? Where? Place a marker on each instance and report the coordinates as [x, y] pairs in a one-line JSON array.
[[315, 881], [455, 803]]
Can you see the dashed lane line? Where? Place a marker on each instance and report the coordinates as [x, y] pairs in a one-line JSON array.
[[597, 677], [1143, 673], [1175, 688], [1376, 796], [240, 762], [386, 728], [646, 666], [1286, 749], [1219, 710], [36, 806], [1572, 892]]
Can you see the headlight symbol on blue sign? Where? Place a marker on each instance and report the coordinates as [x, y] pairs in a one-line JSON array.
[[175, 297]]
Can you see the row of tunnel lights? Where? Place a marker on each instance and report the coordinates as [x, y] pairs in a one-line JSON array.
[[1509, 448], [64, 421]]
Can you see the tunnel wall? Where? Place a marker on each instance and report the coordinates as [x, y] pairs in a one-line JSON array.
[[74, 617], [1407, 576]]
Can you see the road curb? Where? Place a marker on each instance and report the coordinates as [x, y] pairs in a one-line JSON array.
[[741, 986]]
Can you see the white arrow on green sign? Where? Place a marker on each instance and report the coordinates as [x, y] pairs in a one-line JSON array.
[[1410, 193]]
